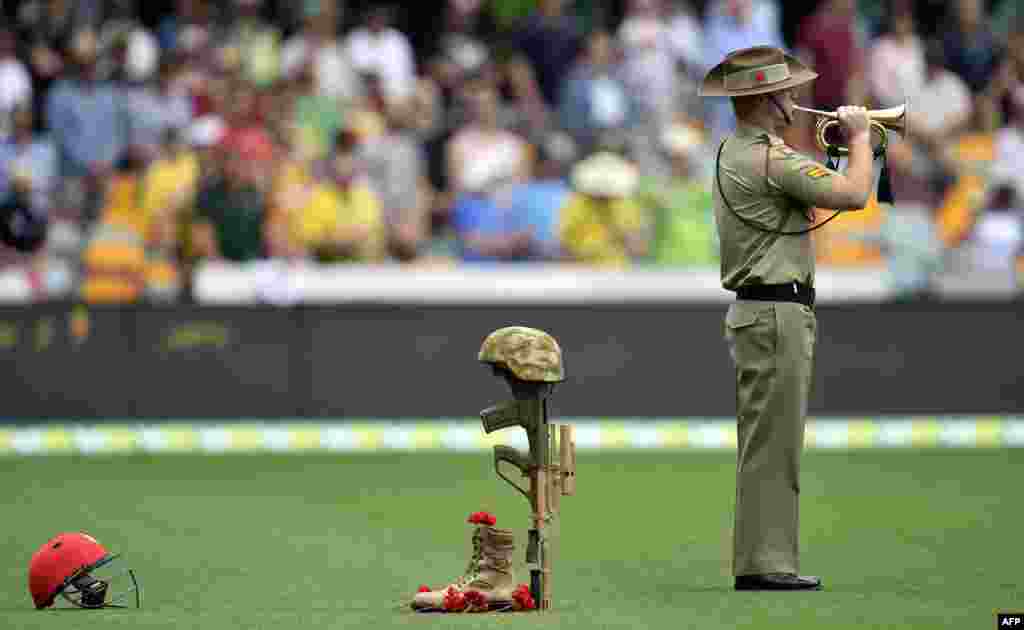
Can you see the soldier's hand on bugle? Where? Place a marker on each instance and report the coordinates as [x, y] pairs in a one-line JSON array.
[[855, 123]]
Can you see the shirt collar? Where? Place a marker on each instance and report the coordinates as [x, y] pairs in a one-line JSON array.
[[750, 130]]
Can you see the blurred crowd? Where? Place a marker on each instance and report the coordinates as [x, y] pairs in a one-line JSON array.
[[544, 131]]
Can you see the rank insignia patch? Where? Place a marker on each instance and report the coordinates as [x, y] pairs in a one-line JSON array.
[[815, 172]]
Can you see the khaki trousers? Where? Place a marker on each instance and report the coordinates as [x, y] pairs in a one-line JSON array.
[[772, 347]]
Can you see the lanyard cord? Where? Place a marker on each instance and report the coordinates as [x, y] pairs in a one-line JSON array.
[[754, 224]]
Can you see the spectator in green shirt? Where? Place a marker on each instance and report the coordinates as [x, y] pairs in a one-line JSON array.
[[680, 204], [230, 214], [320, 115]]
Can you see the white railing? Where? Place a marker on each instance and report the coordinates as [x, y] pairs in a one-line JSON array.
[[274, 282]]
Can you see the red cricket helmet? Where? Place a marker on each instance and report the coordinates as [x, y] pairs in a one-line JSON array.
[[69, 565]]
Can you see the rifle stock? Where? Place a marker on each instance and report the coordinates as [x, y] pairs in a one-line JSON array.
[[549, 480]]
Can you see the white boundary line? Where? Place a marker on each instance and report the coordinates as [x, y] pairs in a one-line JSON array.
[[592, 434]]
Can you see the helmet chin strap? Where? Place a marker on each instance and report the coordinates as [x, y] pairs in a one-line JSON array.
[[93, 591]]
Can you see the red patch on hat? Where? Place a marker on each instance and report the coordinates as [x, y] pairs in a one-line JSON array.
[[759, 76]]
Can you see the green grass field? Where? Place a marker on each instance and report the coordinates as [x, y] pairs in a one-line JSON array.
[[903, 539]]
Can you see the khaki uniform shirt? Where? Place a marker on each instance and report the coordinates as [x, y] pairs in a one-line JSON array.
[[773, 186]]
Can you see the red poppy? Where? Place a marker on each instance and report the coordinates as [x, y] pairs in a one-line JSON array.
[[454, 601], [759, 76], [424, 589], [475, 601], [482, 518], [523, 599]]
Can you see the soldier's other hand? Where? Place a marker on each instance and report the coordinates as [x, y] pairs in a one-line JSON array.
[[854, 120]]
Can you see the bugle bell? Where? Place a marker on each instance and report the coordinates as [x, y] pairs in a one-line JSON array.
[[882, 121]]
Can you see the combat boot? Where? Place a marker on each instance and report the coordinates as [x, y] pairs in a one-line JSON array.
[[495, 579], [435, 598], [489, 572]]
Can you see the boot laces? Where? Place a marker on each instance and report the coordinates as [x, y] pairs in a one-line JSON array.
[[473, 568]]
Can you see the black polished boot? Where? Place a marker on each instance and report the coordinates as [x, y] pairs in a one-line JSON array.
[[777, 582]]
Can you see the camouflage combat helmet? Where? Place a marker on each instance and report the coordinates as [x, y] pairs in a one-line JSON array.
[[530, 354]]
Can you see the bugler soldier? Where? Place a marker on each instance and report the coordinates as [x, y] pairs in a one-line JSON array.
[[764, 195]]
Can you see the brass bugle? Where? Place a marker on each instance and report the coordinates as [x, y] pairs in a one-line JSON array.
[[882, 121]]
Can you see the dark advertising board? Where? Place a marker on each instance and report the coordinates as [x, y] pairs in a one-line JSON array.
[[70, 362]]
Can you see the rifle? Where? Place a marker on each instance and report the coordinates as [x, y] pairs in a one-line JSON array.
[[548, 480]]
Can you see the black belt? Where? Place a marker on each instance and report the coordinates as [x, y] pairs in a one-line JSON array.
[[790, 292]]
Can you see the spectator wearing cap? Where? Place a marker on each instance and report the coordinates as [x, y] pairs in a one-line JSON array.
[[205, 136], [680, 205], [971, 48], [15, 81], [601, 225], [379, 48], [86, 118], [595, 99], [896, 60], [204, 140], [552, 40]]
